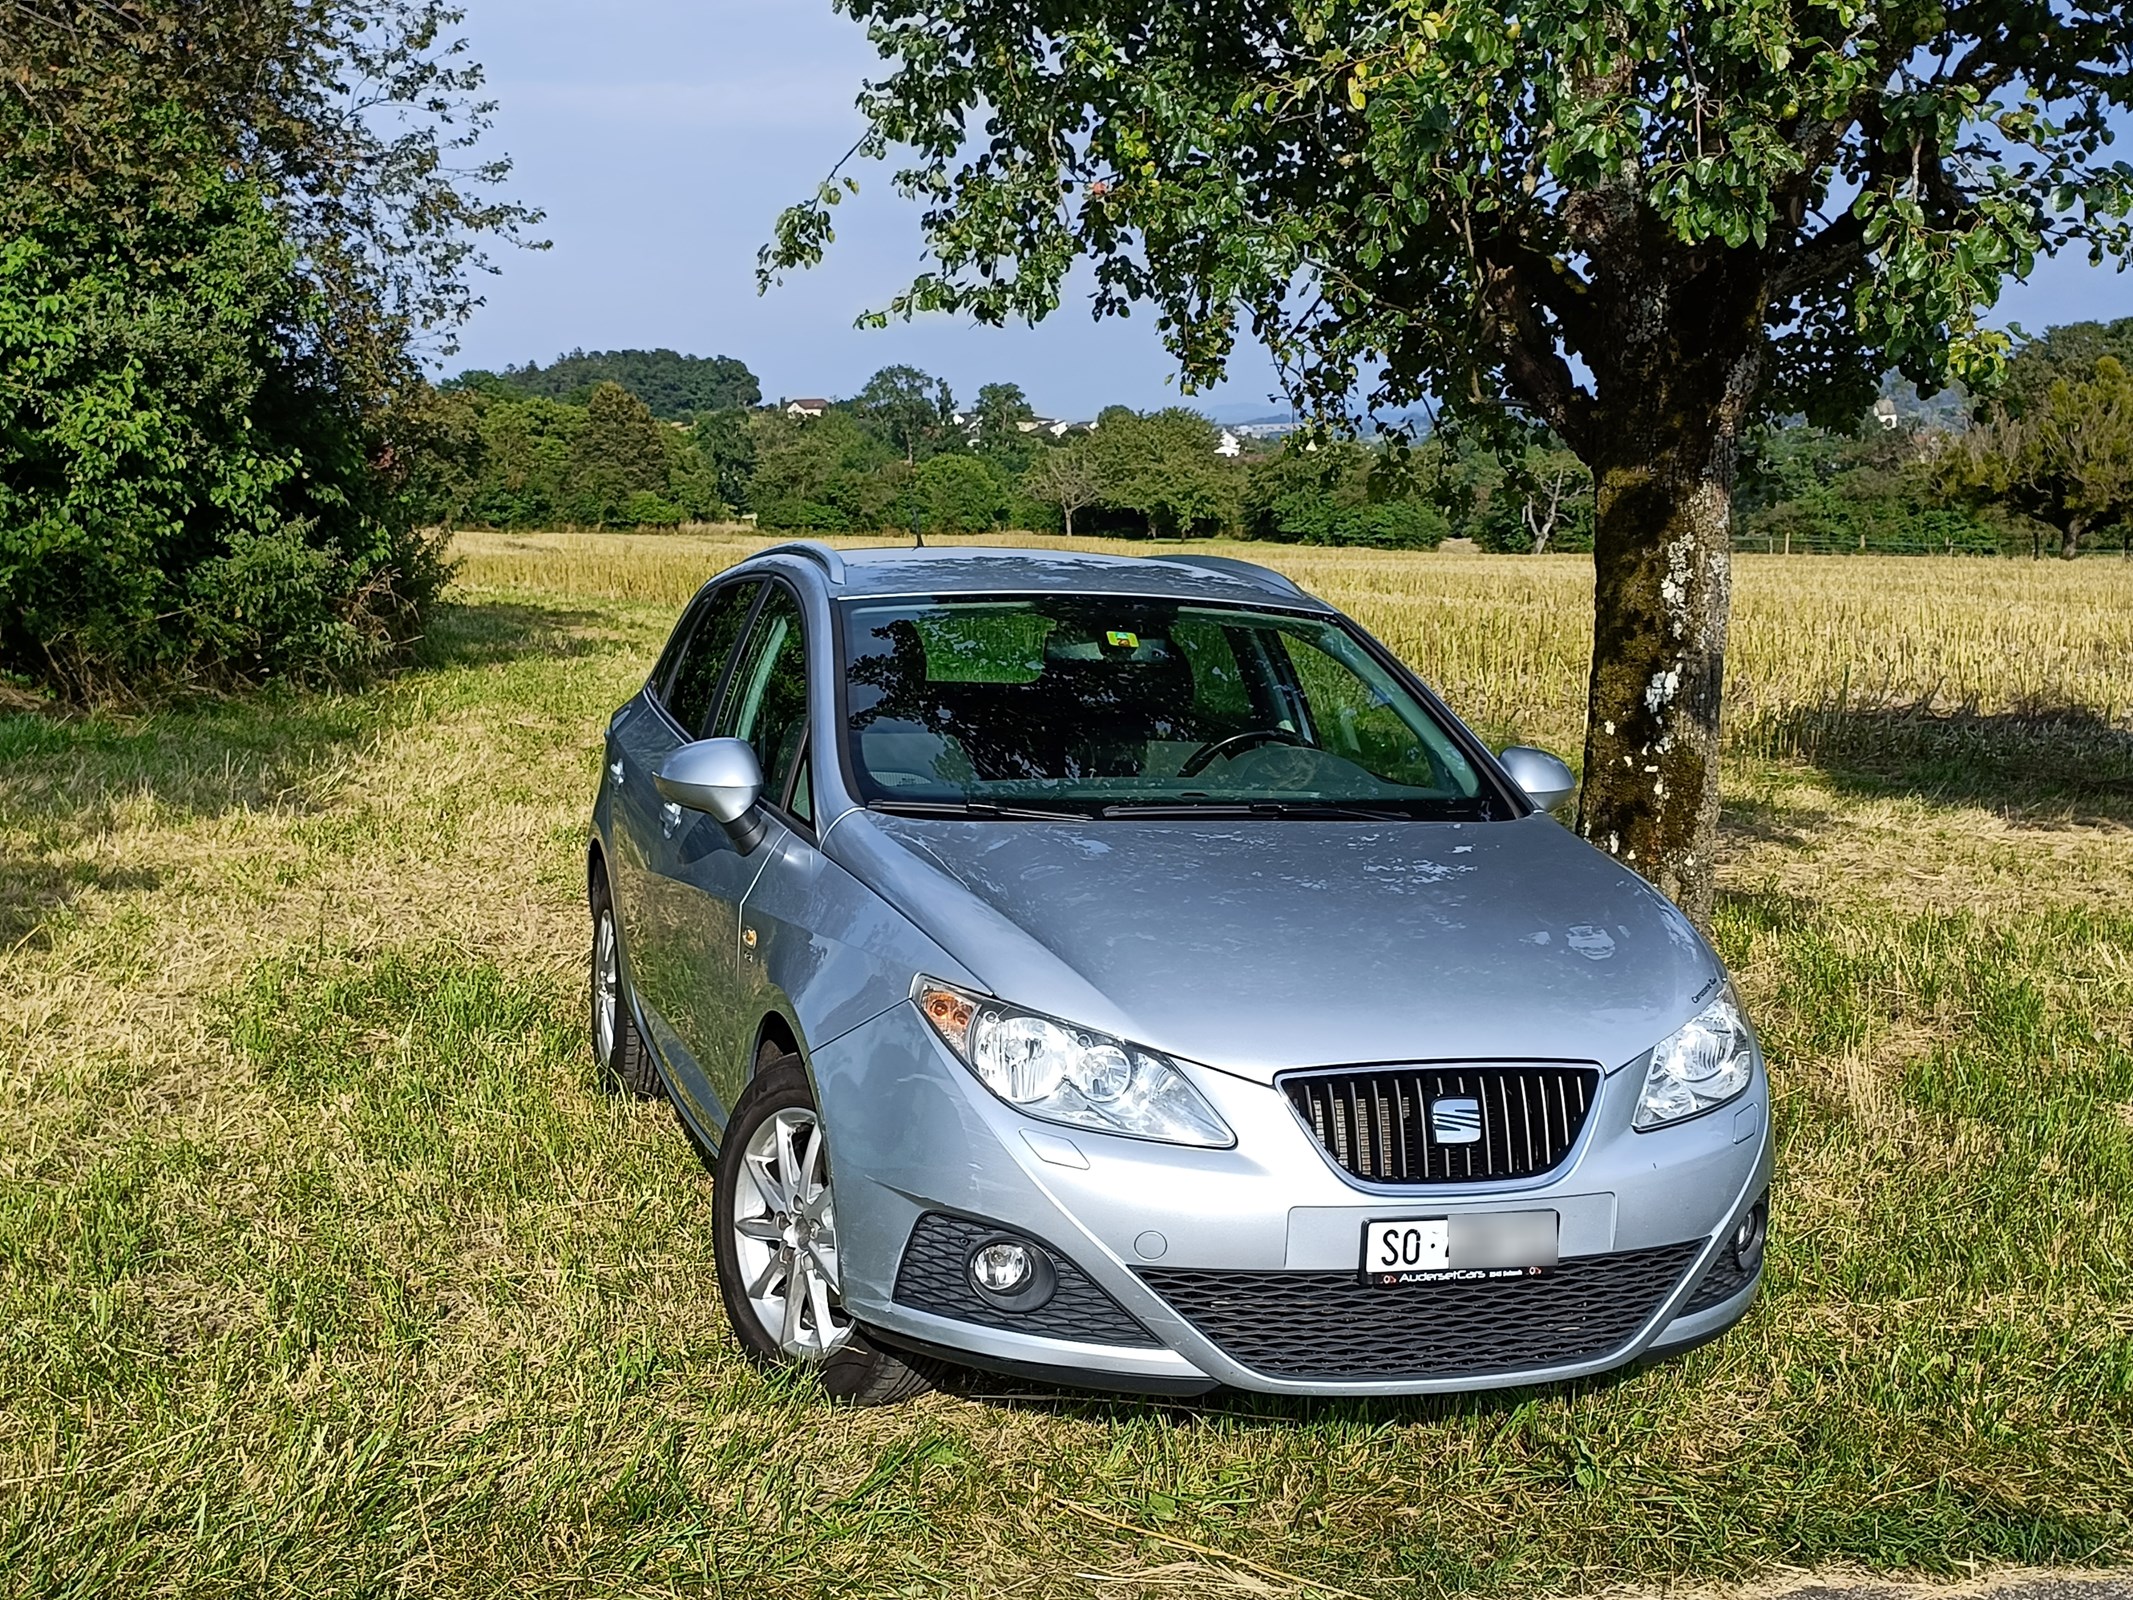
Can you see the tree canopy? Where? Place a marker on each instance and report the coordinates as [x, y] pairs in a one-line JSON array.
[[357, 121], [913, 411], [1640, 223], [223, 231], [2068, 351], [185, 492], [1459, 186], [2065, 459]]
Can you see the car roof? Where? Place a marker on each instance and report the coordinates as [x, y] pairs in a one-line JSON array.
[[1002, 569]]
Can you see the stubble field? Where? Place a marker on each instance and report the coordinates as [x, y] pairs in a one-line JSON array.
[[326, 1268]]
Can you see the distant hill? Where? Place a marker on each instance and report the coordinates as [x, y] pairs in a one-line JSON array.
[[675, 386], [1260, 419]]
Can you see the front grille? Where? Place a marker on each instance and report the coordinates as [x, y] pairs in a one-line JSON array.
[[934, 1277], [1328, 1325], [1375, 1121]]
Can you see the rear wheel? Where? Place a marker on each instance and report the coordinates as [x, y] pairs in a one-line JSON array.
[[775, 1216], [618, 1049]]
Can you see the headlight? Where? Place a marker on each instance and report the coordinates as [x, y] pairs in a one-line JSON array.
[[1704, 1063], [1062, 1073]]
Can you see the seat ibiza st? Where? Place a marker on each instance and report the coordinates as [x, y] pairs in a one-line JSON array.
[[1124, 972]]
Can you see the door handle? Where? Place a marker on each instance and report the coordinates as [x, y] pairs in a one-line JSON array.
[[614, 773], [669, 818]]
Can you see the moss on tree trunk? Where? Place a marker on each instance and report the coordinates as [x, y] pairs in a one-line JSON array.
[[1662, 451], [1662, 558]]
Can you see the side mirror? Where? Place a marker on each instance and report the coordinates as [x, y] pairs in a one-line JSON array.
[[1545, 779], [722, 779]]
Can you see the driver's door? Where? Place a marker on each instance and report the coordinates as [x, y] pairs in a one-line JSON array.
[[708, 1005], [656, 840]]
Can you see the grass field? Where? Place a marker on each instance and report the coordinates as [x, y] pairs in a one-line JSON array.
[[326, 1269]]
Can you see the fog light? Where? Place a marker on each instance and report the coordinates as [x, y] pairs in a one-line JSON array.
[[1750, 1237], [1007, 1273], [1002, 1268]]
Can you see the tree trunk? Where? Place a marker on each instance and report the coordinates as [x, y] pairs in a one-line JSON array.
[[1068, 512], [1662, 563], [1672, 400], [2070, 543]]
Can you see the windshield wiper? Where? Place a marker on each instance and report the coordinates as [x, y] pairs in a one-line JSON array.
[[987, 810], [1300, 810], [1241, 808]]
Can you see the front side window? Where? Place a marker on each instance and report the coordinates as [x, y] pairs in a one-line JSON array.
[[766, 701], [700, 659], [1117, 706]]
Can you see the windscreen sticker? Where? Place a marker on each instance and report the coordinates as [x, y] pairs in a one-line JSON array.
[[1120, 639]]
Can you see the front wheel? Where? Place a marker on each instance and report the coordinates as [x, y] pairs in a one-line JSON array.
[[775, 1217], [618, 1049]]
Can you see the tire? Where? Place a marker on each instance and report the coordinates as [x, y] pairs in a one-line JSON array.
[[775, 1225], [619, 1051]]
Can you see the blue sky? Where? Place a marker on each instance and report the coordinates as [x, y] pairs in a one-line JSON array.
[[663, 136]]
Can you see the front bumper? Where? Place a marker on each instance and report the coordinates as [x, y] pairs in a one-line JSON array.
[[912, 1134]]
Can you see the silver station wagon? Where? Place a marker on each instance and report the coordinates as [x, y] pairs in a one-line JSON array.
[[1125, 973]]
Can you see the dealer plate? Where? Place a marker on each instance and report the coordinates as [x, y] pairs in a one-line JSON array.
[[1469, 1247]]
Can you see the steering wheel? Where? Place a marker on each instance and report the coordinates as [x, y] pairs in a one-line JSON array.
[[1236, 744]]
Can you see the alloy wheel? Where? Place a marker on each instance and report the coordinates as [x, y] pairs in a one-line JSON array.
[[607, 990], [785, 1237]]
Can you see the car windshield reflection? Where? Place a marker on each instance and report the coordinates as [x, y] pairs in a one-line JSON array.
[[1093, 706]]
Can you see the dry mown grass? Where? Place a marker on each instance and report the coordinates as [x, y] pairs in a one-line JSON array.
[[324, 1268]]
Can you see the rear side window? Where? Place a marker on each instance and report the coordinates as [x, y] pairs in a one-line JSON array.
[[701, 663], [766, 703]]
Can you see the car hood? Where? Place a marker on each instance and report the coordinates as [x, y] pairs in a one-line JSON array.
[[1258, 946]]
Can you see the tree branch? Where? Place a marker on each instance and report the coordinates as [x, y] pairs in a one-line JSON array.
[[1837, 250], [1533, 364], [1547, 281]]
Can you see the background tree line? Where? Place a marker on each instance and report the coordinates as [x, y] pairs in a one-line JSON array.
[[655, 439], [522, 448]]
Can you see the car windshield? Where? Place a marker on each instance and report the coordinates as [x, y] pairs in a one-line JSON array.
[[1125, 707]]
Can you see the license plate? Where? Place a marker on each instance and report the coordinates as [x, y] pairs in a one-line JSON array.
[[1466, 1248]]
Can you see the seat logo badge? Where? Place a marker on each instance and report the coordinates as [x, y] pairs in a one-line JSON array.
[[1455, 1119]]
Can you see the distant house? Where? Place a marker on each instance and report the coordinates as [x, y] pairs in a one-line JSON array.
[[1885, 414], [1228, 444], [806, 408]]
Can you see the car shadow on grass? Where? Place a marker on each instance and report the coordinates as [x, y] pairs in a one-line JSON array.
[[2063, 765]]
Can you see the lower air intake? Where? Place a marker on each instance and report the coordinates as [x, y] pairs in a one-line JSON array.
[[1329, 1326], [935, 1277]]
